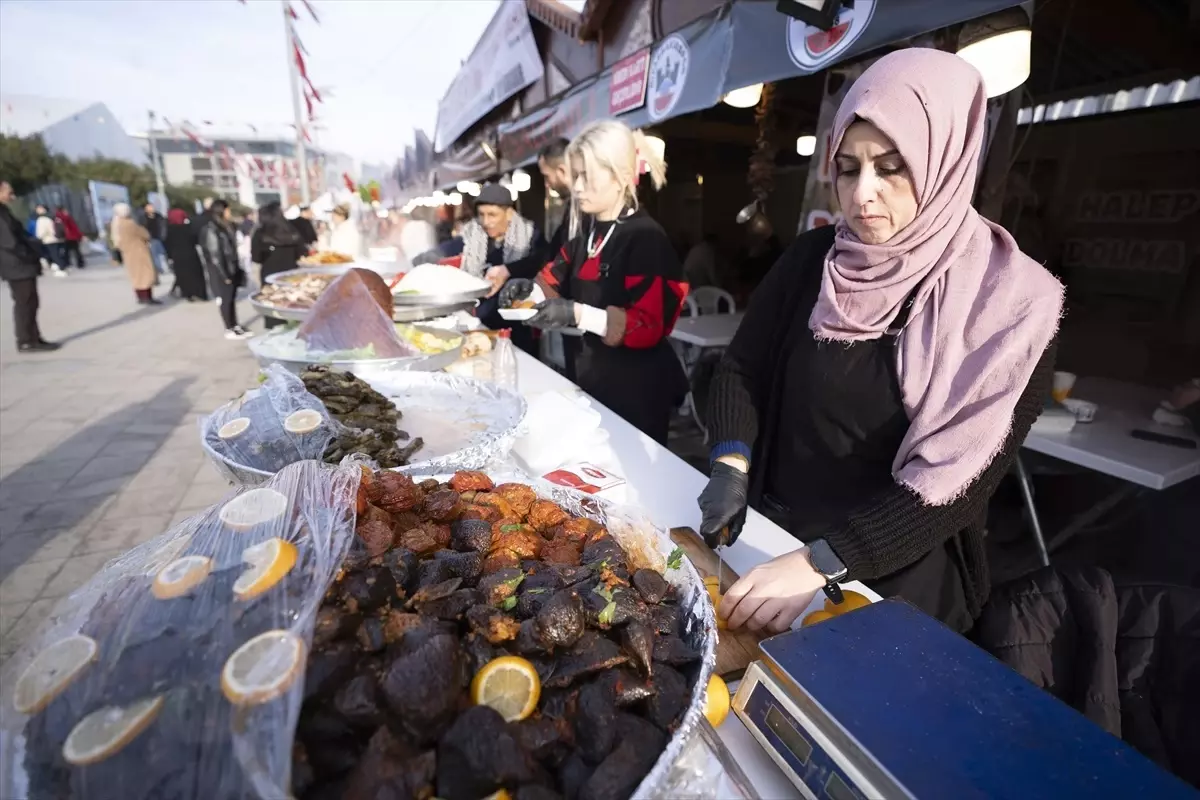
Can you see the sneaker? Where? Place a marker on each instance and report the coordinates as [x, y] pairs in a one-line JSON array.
[[237, 332], [38, 347], [58, 271]]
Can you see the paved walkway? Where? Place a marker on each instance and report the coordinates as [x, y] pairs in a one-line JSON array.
[[99, 447]]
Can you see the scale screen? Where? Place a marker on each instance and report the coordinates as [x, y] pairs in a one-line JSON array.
[[790, 737]]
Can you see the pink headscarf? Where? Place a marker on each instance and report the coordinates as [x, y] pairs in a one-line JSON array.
[[983, 311]]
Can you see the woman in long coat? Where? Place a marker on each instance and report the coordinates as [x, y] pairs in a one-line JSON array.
[[185, 261], [134, 243]]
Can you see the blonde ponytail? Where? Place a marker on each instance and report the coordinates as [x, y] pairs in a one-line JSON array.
[[611, 145]]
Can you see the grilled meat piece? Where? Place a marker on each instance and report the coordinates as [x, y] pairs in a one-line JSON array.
[[560, 621], [327, 669], [651, 585], [667, 619], [451, 607], [395, 492], [479, 755], [596, 722], [358, 702], [561, 551], [444, 505], [637, 639], [368, 589], [374, 529], [422, 540], [370, 635], [333, 623], [397, 623], [518, 495], [402, 563], [390, 769], [488, 513], [471, 481], [467, 566], [670, 697], [431, 485], [471, 535], [516, 538], [499, 585], [492, 625], [432, 571], [544, 515], [674, 651], [497, 502], [577, 530], [590, 654], [605, 549], [573, 775], [435, 591], [528, 642], [639, 747], [538, 736], [627, 686], [422, 687], [478, 652]]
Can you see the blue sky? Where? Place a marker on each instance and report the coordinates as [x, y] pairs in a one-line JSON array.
[[385, 62]]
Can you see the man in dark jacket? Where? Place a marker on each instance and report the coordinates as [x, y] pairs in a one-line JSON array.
[[304, 226], [157, 225], [20, 267]]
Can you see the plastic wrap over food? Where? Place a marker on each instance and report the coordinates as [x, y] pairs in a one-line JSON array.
[[646, 545], [464, 423], [353, 318], [268, 427], [178, 670]]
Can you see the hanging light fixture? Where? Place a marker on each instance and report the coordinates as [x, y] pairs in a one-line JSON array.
[[521, 180], [998, 45], [464, 186], [455, 199], [746, 97], [806, 145]]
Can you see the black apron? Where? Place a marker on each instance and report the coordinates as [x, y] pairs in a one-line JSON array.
[[643, 386], [840, 425]]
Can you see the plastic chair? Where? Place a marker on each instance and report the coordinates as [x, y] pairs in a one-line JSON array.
[[710, 299]]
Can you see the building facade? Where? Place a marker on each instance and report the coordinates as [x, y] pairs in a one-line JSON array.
[[76, 129]]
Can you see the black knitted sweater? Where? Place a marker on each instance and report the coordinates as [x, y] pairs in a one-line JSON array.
[[889, 529]]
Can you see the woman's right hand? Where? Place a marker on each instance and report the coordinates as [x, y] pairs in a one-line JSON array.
[[723, 503], [514, 290]]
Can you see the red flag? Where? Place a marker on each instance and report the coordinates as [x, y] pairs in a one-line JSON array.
[[292, 12], [311, 12], [308, 101], [299, 60], [316, 95]]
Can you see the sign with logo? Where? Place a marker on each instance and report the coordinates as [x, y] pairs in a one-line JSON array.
[[504, 62], [812, 48], [627, 87], [668, 75]]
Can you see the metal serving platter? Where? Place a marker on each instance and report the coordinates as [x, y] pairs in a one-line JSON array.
[[405, 313], [422, 362], [386, 270]]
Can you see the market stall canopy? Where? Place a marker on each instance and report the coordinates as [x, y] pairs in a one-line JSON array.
[[736, 46], [504, 62], [469, 162]]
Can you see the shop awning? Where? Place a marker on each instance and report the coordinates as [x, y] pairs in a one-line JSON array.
[[736, 46]]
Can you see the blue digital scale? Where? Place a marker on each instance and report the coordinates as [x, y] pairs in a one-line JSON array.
[[886, 702]]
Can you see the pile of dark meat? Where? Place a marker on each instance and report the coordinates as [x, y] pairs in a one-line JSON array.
[[442, 579], [369, 418]]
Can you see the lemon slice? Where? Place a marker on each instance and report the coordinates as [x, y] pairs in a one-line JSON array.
[[269, 562], [165, 554], [181, 576], [252, 508], [263, 668], [716, 701], [303, 421], [106, 731], [52, 671], [234, 428], [508, 684]]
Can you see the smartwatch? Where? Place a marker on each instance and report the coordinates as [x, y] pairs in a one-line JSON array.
[[827, 564]]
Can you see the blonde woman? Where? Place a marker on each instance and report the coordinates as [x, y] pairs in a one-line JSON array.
[[134, 243], [618, 280]]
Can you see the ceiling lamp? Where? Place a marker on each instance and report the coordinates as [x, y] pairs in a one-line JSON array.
[[464, 186], [746, 97], [998, 46], [806, 145], [521, 180], [455, 199]]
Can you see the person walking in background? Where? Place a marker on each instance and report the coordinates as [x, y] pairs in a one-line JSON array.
[[304, 226], [47, 232], [276, 246], [134, 243], [71, 238], [20, 267], [185, 261], [157, 227], [218, 246], [344, 237], [248, 224]]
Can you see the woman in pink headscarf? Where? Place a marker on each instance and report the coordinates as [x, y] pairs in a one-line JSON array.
[[888, 368]]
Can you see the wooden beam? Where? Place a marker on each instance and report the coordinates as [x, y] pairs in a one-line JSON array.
[[555, 15], [595, 14]]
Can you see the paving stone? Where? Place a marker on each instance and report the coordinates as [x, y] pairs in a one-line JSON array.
[[38, 613], [27, 581], [123, 533], [9, 614], [75, 572], [31, 548]]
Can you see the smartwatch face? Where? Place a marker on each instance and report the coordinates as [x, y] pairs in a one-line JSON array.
[[824, 560]]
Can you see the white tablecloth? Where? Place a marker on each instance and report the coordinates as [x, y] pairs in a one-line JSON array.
[[666, 487]]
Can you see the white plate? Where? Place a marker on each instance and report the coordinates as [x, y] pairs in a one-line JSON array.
[[517, 314]]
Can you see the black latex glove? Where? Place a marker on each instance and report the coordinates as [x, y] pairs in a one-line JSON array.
[[723, 505], [515, 289], [553, 314]]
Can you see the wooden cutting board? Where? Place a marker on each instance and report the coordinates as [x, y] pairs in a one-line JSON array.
[[735, 649]]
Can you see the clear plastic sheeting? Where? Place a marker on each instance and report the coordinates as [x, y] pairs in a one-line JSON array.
[[268, 427], [178, 670], [353, 318]]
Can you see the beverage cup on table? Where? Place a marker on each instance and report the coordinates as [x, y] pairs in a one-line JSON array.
[[1064, 382]]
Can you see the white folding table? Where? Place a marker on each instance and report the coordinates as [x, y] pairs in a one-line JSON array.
[[1105, 445]]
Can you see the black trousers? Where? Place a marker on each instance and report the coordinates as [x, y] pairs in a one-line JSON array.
[[25, 307], [71, 252], [227, 292]]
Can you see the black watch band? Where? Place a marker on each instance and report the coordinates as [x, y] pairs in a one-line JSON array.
[[827, 563]]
